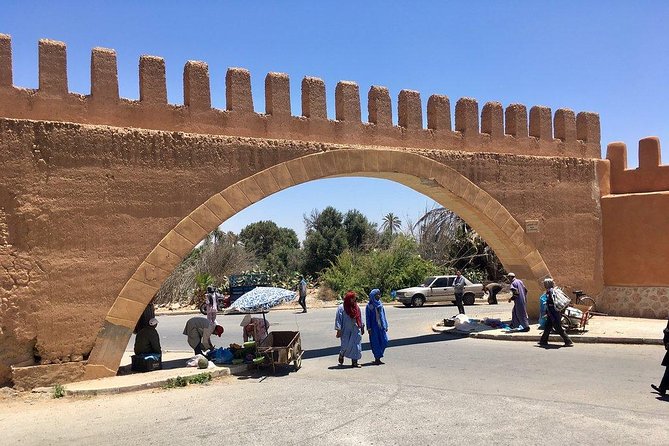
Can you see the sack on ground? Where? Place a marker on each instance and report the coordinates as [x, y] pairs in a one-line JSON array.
[[560, 299]]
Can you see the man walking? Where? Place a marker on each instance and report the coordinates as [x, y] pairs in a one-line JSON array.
[[553, 322], [302, 289], [459, 289], [519, 318]]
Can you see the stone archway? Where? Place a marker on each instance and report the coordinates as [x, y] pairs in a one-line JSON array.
[[433, 179]]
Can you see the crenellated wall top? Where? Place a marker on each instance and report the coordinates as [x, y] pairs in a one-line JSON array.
[[650, 176], [493, 128]]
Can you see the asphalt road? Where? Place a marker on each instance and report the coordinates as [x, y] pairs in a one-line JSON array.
[[433, 390]]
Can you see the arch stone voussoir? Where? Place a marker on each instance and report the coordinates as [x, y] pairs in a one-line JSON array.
[[220, 207], [282, 176], [205, 218], [127, 309], [150, 274], [312, 167], [190, 230], [265, 180], [236, 197], [252, 191], [298, 170], [163, 258], [176, 243]]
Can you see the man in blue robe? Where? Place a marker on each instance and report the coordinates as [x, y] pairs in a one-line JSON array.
[[377, 325]]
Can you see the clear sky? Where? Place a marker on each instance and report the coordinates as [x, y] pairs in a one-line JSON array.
[[611, 57]]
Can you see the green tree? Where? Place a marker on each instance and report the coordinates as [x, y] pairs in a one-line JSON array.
[[391, 223], [360, 232], [325, 239], [274, 247]]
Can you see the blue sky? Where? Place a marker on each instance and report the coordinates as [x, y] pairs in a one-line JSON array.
[[609, 57]]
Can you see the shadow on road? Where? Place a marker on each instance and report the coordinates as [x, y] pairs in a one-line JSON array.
[[415, 340]]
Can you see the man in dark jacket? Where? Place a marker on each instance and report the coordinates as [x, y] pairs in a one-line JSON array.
[[664, 384], [147, 341]]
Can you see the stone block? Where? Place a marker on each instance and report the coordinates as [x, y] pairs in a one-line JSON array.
[[163, 258], [137, 291], [282, 176], [220, 207], [27, 378], [151, 274], [191, 231], [251, 190], [236, 197], [297, 170], [265, 180], [205, 218], [313, 167], [177, 244], [128, 309]]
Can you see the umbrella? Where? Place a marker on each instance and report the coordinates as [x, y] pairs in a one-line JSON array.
[[261, 299]]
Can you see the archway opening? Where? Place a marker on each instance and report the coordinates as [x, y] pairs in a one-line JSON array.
[[435, 180]]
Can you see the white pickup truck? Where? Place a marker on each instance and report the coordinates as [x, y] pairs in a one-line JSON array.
[[439, 289]]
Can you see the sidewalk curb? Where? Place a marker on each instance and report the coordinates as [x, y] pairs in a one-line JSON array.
[[535, 338], [161, 382]]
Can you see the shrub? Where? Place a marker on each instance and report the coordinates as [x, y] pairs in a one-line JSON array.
[[398, 267], [58, 391]]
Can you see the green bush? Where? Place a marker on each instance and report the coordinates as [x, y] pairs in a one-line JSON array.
[[183, 381], [400, 266], [58, 391]]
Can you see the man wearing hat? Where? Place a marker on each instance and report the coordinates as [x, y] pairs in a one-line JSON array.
[[199, 331], [254, 327], [519, 318], [147, 341]]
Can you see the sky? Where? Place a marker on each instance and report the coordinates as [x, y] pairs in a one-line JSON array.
[[610, 57]]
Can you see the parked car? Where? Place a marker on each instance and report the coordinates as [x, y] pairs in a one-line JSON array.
[[439, 289]]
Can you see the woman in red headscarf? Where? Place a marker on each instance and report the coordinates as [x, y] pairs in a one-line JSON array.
[[349, 327]]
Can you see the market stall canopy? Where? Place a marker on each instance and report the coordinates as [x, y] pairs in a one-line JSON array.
[[261, 299]]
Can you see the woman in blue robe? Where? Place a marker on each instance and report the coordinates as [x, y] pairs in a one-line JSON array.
[[349, 327], [377, 325]]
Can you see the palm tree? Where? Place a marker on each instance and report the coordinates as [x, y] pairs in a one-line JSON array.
[[391, 223]]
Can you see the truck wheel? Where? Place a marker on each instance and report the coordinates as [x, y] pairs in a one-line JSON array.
[[468, 299], [418, 301]]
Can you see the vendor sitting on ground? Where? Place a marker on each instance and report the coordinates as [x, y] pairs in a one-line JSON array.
[[147, 341], [199, 331], [254, 327]]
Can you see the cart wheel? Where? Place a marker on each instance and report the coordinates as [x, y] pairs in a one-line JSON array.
[[565, 322], [297, 354]]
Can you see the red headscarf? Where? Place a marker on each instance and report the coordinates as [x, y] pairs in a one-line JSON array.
[[351, 307]]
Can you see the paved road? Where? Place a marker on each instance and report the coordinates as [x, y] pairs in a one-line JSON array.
[[317, 326], [434, 389]]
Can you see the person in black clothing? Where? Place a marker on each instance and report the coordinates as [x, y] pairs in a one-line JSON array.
[[459, 290], [553, 321], [493, 288], [664, 384]]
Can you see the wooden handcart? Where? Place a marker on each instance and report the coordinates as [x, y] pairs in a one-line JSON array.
[[282, 348]]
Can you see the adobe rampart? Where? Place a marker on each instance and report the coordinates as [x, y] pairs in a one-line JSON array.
[[499, 129]]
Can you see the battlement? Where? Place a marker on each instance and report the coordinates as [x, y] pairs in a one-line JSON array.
[[650, 176], [495, 129]]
